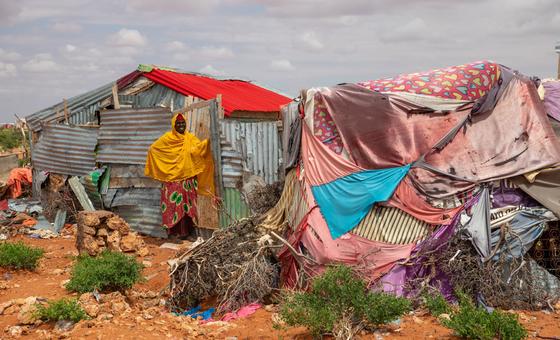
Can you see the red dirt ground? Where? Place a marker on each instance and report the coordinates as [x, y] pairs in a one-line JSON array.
[[54, 268]]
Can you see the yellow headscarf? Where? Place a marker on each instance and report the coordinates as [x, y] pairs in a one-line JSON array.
[[176, 157]]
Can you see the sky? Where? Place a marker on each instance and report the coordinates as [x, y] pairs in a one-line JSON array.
[[50, 50]]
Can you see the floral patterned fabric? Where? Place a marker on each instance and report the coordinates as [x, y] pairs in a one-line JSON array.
[[177, 200], [463, 82]]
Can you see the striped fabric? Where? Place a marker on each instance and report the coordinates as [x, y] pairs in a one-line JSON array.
[[392, 225]]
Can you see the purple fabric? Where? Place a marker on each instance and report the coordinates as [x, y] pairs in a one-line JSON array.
[[552, 98], [416, 267], [502, 197]]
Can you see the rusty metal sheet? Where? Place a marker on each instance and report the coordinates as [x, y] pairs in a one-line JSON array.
[[125, 135], [66, 149], [128, 176]]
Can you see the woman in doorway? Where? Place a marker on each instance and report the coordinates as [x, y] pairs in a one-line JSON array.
[[184, 164]]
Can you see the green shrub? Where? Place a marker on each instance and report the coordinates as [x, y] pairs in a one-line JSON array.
[[63, 309], [475, 323], [338, 296], [19, 256], [10, 138], [436, 303], [109, 271]]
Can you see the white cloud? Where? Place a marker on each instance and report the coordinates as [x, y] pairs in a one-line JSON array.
[[216, 52], [41, 63], [7, 70], [179, 7], [70, 48], [9, 10], [175, 46], [209, 69], [8, 55], [281, 65], [66, 27], [311, 42], [127, 38]]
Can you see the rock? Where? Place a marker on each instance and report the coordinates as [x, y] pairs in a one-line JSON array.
[[15, 331], [417, 320], [147, 316], [117, 223], [4, 306], [114, 240], [26, 313], [269, 308], [445, 316], [131, 242], [90, 245], [89, 304], [119, 307], [13, 309], [89, 230], [102, 232], [89, 220], [100, 242], [105, 316], [3, 285], [146, 264], [64, 283], [63, 325], [144, 251], [57, 271]]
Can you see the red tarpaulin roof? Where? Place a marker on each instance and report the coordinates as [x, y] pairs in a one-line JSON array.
[[237, 95]]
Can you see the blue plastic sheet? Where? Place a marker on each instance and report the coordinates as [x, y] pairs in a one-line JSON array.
[[195, 313], [345, 201]]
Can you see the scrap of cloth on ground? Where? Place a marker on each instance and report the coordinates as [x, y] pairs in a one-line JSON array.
[[345, 197], [175, 157]]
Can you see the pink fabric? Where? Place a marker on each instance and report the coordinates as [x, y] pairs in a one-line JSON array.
[[408, 200], [370, 257], [321, 165], [241, 312]]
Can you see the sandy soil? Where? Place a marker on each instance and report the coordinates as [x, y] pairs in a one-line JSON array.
[[47, 282]]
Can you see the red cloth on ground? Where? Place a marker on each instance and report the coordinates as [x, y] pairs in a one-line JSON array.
[[17, 178]]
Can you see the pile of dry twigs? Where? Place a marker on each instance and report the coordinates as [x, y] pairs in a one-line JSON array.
[[235, 265], [263, 198]]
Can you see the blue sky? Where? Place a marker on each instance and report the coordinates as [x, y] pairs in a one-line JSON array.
[[51, 50]]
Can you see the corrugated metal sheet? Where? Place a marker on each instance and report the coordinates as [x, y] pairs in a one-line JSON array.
[[144, 219], [81, 109], [257, 144], [66, 149], [125, 135], [128, 176], [92, 190], [140, 207], [156, 96], [392, 225], [234, 206]]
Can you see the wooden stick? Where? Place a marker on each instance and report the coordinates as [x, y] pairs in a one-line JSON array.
[[116, 103], [65, 110]]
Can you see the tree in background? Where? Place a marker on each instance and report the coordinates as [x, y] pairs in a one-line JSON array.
[[10, 138]]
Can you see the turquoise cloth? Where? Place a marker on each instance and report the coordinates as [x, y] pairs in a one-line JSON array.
[[345, 201]]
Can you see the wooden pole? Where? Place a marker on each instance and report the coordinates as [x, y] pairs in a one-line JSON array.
[[558, 73], [116, 103], [65, 110]]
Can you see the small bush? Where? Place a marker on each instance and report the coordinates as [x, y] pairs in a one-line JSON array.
[[475, 323], [338, 297], [63, 309], [436, 303], [19, 256], [109, 271]]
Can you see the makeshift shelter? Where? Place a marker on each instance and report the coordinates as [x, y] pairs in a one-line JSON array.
[[380, 172], [103, 136]]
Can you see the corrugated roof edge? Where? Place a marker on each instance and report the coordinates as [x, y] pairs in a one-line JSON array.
[[149, 68]]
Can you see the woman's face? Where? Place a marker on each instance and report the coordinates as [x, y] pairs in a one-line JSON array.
[[180, 126]]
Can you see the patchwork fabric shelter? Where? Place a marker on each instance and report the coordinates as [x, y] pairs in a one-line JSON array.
[[429, 155]]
